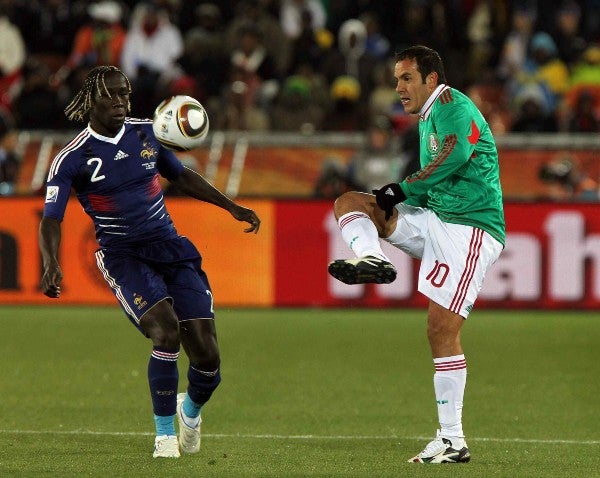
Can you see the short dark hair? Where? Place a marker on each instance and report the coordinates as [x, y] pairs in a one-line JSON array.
[[428, 61]]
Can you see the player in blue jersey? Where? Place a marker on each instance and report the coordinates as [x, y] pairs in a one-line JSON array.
[[113, 166]]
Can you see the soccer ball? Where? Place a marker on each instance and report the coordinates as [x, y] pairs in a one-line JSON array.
[[180, 123]]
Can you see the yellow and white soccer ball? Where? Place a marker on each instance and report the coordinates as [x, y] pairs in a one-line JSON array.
[[180, 123]]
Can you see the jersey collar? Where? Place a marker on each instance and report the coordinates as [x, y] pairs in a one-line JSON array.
[[107, 139], [426, 109]]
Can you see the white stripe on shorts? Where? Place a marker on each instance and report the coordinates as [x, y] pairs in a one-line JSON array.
[[114, 286]]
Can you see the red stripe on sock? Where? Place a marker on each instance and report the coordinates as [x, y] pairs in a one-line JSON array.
[[451, 365], [350, 218]]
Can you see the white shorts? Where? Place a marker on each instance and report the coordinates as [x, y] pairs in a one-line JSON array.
[[454, 257]]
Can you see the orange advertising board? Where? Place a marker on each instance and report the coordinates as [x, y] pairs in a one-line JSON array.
[[239, 265]]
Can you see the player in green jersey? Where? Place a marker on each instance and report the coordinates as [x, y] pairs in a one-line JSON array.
[[449, 214]]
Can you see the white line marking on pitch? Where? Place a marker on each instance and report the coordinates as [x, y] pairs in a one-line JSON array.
[[301, 437]]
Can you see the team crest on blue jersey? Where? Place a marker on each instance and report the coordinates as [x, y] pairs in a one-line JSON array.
[[148, 152], [433, 144]]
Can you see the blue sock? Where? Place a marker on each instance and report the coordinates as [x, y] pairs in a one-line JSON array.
[[164, 425], [200, 388], [190, 408], [163, 377]]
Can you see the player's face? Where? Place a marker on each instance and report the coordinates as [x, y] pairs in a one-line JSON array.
[[412, 90], [108, 113]]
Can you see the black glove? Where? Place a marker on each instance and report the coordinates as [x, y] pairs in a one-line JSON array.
[[388, 196]]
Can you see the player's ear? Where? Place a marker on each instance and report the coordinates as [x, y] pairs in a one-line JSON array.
[[432, 80]]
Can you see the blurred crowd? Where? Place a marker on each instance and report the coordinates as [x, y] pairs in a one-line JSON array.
[[304, 65]]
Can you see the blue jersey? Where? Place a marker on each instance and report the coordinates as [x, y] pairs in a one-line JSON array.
[[117, 182]]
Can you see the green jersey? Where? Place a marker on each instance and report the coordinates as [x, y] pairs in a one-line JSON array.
[[459, 177]]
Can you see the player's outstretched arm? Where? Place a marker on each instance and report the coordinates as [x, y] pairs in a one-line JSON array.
[[194, 185], [49, 240]]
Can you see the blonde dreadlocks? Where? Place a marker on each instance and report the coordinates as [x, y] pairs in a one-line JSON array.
[[94, 84]]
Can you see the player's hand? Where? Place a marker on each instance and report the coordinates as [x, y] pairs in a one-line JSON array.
[[51, 281], [388, 196], [244, 214]]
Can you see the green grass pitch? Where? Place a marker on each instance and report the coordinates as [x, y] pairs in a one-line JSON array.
[[305, 393]]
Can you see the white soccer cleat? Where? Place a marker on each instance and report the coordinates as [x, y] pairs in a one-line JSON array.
[[444, 450], [166, 446], [189, 438]]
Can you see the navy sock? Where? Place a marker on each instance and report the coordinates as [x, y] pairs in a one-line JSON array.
[[202, 384], [163, 377]]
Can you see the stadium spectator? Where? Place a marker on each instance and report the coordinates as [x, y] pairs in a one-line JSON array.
[[567, 33], [584, 117], [585, 76], [251, 58], [12, 59], [310, 46], [333, 180], [376, 43], [449, 214], [238, 110], [255, 13], [349, 57], [514, 49], [542, 70], [480, 31], [293, 14], [204, 57], [380, 161], [319, 88], [532, 114], [416, 25], [383, 95], [154, 273], [10, 162], [37, 94], [98, 42], [295, 108], [586, 72], [346, 113], [49, 27], [591, 20], [566, 180], [153, 45]]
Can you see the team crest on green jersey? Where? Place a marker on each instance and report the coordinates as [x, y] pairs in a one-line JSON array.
[[433, 144]]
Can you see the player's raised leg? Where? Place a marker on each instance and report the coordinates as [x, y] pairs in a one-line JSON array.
[[199, 339], [161, 325], [362, 223]]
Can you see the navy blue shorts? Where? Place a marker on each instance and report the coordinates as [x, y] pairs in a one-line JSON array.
[[143, 275]]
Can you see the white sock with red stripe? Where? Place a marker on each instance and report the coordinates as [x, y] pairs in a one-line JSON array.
[[449, 382], [361, 235]]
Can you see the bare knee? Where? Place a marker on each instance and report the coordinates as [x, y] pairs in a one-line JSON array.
[[167, 337], [352, 201], [205, 356], [438, 333], [443, 331], [355, 201], [161, 325], [199, 340]]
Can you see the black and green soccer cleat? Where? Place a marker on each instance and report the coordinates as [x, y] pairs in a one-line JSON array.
[[363, 270]]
